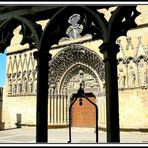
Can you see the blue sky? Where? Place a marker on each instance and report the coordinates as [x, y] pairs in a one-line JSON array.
[[2, 69]]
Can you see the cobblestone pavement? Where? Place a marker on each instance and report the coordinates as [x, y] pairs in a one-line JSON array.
[[79, 135]]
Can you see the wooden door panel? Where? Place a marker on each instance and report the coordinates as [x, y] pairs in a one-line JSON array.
[[85, 115]]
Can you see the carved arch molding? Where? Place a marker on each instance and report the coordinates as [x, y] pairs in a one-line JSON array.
[[66, 66]]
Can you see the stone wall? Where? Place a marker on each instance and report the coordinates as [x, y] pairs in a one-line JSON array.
[[133, 108], [24, 105]]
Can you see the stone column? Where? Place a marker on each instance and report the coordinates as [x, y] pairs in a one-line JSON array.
[[42, 96], [112, 106], [58, 108]]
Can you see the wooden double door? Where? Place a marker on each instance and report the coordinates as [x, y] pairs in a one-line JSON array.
[[84, 115]]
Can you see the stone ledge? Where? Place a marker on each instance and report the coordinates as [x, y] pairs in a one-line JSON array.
[[49, 126], [144, 130]]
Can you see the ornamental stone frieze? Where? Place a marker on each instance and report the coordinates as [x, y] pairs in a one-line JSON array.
[[21, 74]]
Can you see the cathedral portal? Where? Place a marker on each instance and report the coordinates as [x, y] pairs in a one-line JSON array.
[[74, 65]]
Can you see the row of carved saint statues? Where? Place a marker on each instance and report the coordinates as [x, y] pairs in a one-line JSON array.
[[22, 83], [133, 74], [130, 75]]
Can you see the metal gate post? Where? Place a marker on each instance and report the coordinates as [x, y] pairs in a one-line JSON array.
[[75, 98]]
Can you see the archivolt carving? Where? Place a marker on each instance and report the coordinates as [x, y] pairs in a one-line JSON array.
[[72, 55], [79, 74]]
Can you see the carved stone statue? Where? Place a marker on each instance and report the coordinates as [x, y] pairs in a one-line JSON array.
[[10, 87], [24, 84], [131, 77], [75, 29], [14, 85], [19, 83], [16, 40], [121, 77], [82, 82], [30, 82], [35, 81], [142, 73], [9, 84]]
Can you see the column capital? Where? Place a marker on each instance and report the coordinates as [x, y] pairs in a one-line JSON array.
[[42, 55], [109, 50]]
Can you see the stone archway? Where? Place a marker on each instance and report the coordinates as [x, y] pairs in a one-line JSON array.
[[71, 79], [74, 64], [72, 56], [82, 116]]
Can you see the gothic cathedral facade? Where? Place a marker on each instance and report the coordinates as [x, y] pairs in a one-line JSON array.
[[77, 59]]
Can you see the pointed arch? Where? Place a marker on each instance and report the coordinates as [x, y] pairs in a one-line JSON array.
[[20, 64], [25, 63], [129, 45], [140, 48], [56, 29], [15, 64], [70, 56], [30, 63], [73, 70], [130, 59], [141, 57], [10, 67]]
